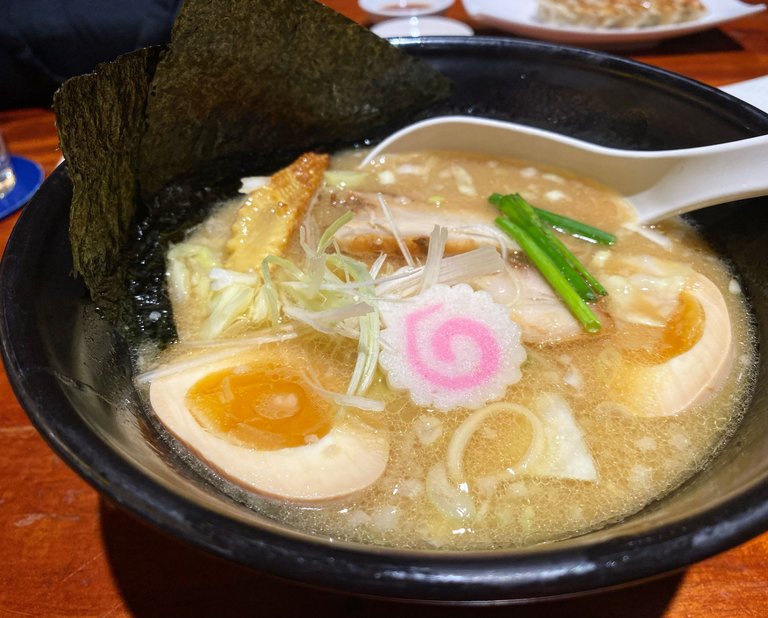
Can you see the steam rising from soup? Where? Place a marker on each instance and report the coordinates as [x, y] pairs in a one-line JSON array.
[[394, 370]]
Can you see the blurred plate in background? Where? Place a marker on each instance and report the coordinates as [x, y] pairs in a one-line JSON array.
[[520, 18]]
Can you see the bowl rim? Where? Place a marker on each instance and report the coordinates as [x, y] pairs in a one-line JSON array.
[[538, 572]]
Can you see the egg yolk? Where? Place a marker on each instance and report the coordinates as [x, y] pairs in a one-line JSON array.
[[258, 407], [681, 332]]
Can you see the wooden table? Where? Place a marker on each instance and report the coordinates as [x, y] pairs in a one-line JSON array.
[[64, 551]]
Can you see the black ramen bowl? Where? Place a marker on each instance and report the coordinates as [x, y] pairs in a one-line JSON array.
[[72, 373]]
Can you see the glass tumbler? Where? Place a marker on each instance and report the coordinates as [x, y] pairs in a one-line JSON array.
[[7, 177]]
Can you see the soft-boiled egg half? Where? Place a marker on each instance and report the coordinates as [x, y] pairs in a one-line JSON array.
[[254, 418], [694, 356], [685, 362]]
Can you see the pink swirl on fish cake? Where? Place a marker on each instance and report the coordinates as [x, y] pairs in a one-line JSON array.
[[442, 337], [450, 347]]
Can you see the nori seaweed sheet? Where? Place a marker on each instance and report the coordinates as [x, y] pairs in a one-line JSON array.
[[271, 75], [156, 138], [100, 120]]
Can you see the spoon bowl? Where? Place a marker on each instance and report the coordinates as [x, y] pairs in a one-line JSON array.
[[659, 184]]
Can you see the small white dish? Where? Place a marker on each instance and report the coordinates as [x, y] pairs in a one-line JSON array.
[[519, 17], [753, 91], [385, 9], [421, 26]]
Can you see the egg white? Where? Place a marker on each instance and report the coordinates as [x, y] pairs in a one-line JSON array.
[[693, 377], [349, 458]]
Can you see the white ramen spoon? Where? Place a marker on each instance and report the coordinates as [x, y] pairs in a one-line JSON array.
[[658, 184]]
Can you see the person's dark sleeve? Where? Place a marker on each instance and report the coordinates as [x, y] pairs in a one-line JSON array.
[[44, 42]]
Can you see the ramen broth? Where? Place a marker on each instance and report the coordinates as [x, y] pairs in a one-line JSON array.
[[439, 491]]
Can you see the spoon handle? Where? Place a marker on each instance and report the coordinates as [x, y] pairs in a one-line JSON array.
[[699, 177]]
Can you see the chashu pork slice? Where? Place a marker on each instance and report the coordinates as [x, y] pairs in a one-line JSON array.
[[372, 230], [532, 303]]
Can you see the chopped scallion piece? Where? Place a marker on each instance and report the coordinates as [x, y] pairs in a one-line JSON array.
[[571, 226], [576, 264], [552, 274], [569, 278], [576, 228], [522, 214]]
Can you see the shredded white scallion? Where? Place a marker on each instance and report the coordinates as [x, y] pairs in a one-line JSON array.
[[222, 277], [395, 231], [326, 321], [454, 269], [226, 306], [435, 252], [223, 349], [377, 265], [344, 400], [480, 230], [368, 343]]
